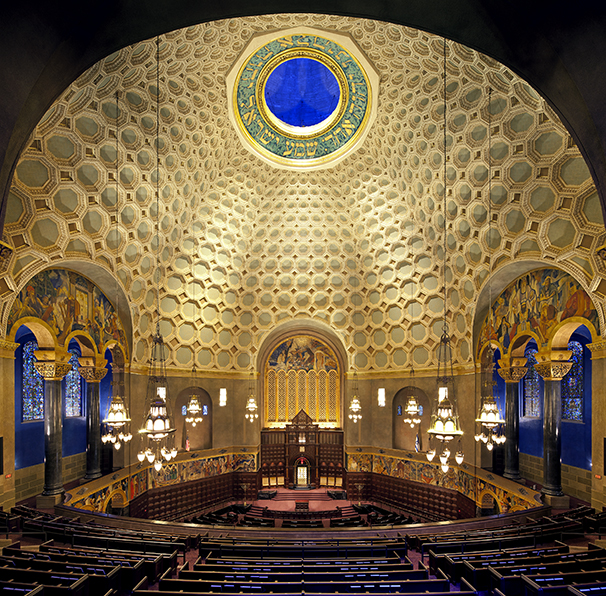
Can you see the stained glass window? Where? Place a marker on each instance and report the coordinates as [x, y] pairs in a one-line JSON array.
[[33, 385], [73, 388], [572, 385], [532, 388], [204, 410], [399, 410]]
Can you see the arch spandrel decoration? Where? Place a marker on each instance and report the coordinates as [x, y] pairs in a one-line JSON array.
[[302, 373], [69, 304], [536, 304]]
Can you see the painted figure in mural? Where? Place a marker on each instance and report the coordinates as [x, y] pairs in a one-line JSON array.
[[61, 299], [302, 353], [540, 300]]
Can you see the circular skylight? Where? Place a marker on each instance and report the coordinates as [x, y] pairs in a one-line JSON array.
[[302, 93], [302, 100]]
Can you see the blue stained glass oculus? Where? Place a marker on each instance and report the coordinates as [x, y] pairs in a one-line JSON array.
[[32, 396], [302, 92]]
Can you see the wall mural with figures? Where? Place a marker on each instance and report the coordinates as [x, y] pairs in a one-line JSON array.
[[136, 481], [67, 302], [462, 479], [536, 303]]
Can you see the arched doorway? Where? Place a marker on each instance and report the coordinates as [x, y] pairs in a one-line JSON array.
[[301, 474]]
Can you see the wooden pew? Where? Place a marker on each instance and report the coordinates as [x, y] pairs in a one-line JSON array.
[[209, 587], [55, 584], [131, 572], [17, 589], [453, 565], [442, 549], [302, 566], [301, 552], [103, 579], [296, 575], [154, 564], [285, 562], [166, 549], [512, 584], [559, 585]]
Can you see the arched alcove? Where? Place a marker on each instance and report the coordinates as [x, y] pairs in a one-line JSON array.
[[201, 435], [313, 344], [404, 437]]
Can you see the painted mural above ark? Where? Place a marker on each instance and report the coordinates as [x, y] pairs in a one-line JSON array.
[[68, 302], [534, 305]]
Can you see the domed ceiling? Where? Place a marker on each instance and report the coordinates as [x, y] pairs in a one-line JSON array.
[[245, 245]]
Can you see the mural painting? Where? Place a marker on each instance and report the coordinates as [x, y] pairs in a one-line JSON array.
[[302, 353], [536, 303], [359, 462], [429, 473], [140, 481], [68, 302]]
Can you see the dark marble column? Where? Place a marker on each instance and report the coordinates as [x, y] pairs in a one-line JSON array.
[[93, 376], [512, 375], [552, 372], [52, 372]]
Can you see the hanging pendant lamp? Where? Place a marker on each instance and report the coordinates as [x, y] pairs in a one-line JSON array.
[[157, 431], [355, 408], [117, 421], [489, 416], [412, 408], [445, 427], [251, 405]]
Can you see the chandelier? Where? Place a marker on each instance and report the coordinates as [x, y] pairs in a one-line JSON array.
[[444, 426], [194, 408], [491, 422], [355, 408], [157, 432], [412, 409], [117, 422], [489, 417], [251, 404]]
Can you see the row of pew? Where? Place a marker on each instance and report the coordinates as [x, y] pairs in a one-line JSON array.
[[527, 559], [318, 570]]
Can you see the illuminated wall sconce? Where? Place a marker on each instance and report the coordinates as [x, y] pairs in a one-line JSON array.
[[223, 396], [381, 397]]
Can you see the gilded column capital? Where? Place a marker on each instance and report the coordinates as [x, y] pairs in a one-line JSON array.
[[554, 370], [512, 374], [598, 349], [51, 370], [92, 374], [7, 348]]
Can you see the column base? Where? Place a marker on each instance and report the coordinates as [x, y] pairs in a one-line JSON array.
[[516, 477], [48, 501], [557, 502], [90, 477]]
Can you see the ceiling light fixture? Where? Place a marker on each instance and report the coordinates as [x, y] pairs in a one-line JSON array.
[[251, 405], [489, 416], [157, 431], [445, 425], [117, 421]]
